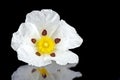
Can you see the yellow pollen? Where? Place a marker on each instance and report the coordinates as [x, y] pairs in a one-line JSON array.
[[45, 45]]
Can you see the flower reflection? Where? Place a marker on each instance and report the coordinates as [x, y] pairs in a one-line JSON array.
[[49, 72]]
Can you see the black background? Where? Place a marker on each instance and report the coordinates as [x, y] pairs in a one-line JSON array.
[[99, 59]]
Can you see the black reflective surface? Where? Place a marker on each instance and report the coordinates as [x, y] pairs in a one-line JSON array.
[[98, 55]]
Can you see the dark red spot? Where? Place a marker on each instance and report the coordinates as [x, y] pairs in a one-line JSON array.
[[52, 54], [33, 40], [44, 76], [44, 32], [38, 54], [33, 70], [57, 40], [58, 70]]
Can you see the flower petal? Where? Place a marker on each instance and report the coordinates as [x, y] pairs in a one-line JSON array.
[[64, 57], [27, 54], [51, 28], [37, 18], [21, 42], [69, 37], [24, 35], [24, 73], [52, 20], [44, 19], [50, 16]]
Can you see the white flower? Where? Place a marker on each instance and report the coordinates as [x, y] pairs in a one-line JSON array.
[[50, 72], [43, 37]]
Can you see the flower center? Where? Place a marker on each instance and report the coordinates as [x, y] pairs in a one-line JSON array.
[[45, 45], [43, 72]]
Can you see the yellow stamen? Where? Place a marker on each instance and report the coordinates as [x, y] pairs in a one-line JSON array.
[[45, 45]]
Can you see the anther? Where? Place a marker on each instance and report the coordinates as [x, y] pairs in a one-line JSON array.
[[44, 32], [57, 40], [58, 70], [44, 76], [33, 70], [33, 40], [53, 54], [38, 54]]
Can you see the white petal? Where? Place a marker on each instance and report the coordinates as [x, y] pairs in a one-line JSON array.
[[37, 18], [50, 16], [44, 19], [26, 53], [69, 37], [24, 73], [24, 34], [52, 20], [64, 57], [21, 42], [51, 28]]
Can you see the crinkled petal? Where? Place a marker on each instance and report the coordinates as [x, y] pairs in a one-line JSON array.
[[64, 57], [26, 53], [44, 19], [24, 34], [68, 35], [21, 42], [37, 18], [50, 16]]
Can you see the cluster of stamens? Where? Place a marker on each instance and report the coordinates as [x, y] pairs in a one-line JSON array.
[[45, 45]]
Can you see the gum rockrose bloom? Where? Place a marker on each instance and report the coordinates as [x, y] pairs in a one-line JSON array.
[[50, 72], [44, 38]]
